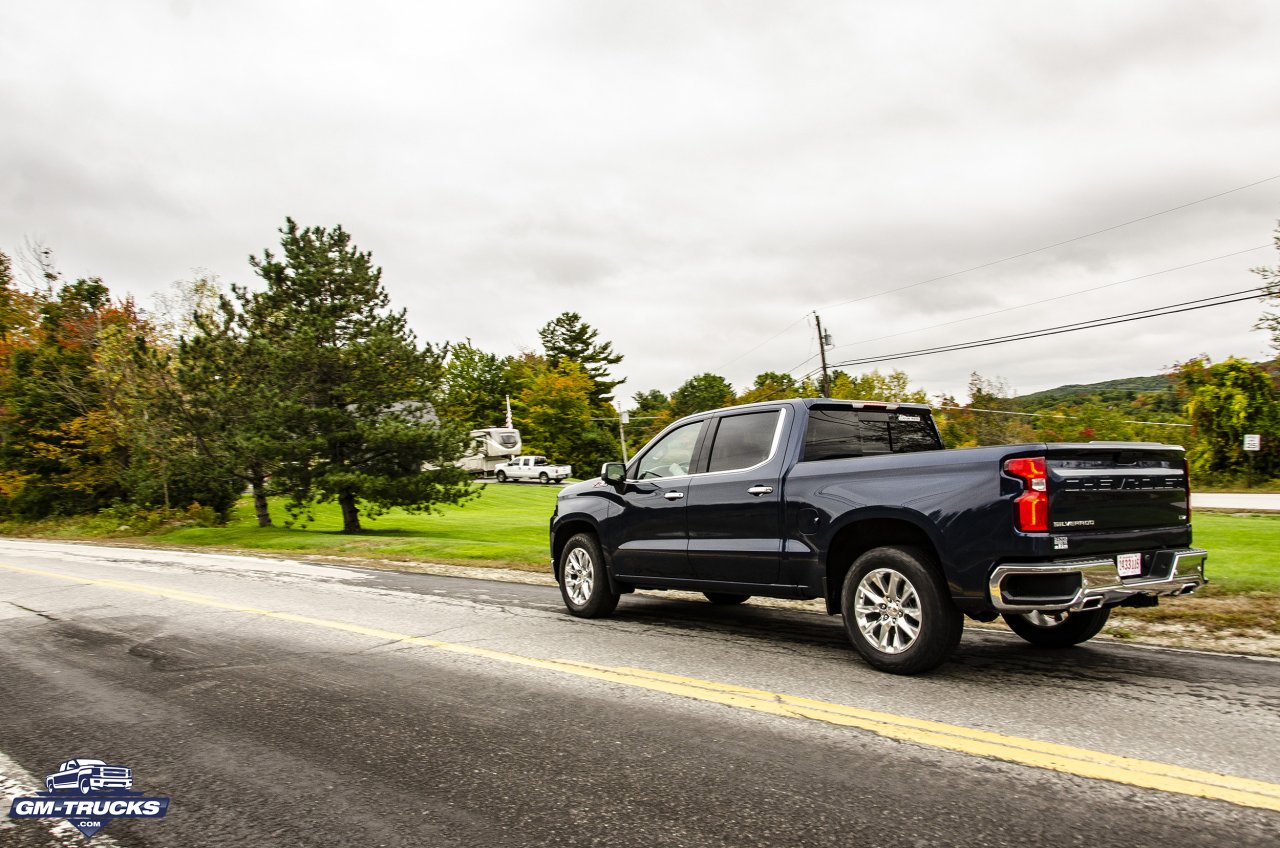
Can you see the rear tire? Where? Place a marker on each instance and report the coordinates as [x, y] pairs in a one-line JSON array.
[[544, 478], [1058, 630], [584, 583], [726, 599], [898, 612]]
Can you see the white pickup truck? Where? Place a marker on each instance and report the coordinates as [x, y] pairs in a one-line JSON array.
[[531, 468]]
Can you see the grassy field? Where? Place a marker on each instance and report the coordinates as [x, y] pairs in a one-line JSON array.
[[507, 526], [1244, 551]]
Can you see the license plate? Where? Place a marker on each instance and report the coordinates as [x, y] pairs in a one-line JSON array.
[[1129, 565]]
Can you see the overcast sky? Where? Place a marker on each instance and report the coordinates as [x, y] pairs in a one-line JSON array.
[[694, 178]]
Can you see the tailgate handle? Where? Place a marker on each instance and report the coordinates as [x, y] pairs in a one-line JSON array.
[[760, 490]]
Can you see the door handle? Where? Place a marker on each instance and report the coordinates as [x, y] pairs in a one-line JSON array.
[[760, 490], [674, 496]]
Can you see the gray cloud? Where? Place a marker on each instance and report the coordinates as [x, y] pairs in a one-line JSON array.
[[693, 178]]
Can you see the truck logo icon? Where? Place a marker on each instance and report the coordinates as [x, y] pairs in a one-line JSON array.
[[89, 776], [88, 793]]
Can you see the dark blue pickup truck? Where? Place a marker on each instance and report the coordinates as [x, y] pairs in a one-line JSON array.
[[858, 503]]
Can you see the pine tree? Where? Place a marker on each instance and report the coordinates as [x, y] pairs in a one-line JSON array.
[[232, 397], [569, 338], [358, 407]]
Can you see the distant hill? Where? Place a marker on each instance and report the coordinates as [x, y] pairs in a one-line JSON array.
[[1125, 389]]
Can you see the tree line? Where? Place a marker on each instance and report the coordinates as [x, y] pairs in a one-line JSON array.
[[312, 386]]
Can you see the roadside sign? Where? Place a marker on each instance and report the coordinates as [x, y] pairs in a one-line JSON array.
[[626, 417], [1252, 442]]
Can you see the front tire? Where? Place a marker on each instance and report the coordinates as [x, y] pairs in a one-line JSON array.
[[1060, 629], [584, 584], [725, 599], [85, 786], [502, 477], [897, 611]]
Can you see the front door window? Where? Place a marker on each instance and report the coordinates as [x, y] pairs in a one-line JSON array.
[[672, 456]]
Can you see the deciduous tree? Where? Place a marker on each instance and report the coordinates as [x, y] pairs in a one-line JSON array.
[[476, 385], [554, 413], [772, 385], [1270, 321], [701, 393], [1225, 401], [892, 387]]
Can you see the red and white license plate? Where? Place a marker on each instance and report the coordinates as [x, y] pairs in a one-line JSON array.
[[1129, 565]]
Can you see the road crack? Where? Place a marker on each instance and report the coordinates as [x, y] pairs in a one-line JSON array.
[[44, 615]]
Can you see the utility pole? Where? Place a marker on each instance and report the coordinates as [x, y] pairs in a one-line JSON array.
[[823, 341], [623, 418]]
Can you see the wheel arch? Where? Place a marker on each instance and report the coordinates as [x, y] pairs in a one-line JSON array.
[[565, 531], [866, 531]]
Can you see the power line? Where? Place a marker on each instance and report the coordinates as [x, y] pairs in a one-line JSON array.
[[1009, 259], [765, 342], [1056, 297], [1172, 309], [1055, 244]]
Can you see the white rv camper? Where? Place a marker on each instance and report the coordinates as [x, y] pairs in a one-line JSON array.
[[489, 449]]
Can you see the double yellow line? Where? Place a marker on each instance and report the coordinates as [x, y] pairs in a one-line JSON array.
[[1028, 752]]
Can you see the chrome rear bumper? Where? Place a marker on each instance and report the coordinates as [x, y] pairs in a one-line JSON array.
[[1099, 584]]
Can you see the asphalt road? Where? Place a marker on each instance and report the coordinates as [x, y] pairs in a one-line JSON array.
[[282, 703]]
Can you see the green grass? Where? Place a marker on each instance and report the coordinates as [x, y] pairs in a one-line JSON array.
[[505, 525], [1244, 551]]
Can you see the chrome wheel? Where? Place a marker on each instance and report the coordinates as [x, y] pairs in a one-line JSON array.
[[1058, 629], [579, 576], [1045, 619], [887, 610]]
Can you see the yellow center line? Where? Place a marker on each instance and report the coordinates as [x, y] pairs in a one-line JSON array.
[[1067, 759]]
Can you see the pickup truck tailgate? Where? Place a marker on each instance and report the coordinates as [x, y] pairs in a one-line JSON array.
[[1122, 487]]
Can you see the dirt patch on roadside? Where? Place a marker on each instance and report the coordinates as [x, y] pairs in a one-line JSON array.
[[1247, 624]]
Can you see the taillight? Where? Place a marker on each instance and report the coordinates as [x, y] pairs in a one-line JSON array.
[[1186, 480], [1033, 503]]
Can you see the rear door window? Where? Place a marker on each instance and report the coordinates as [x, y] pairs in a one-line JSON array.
[[743, 441]]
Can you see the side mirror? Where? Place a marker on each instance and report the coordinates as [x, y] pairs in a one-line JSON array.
[[613, 472]]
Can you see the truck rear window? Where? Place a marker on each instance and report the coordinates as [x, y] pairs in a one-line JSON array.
[[837, 433]]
